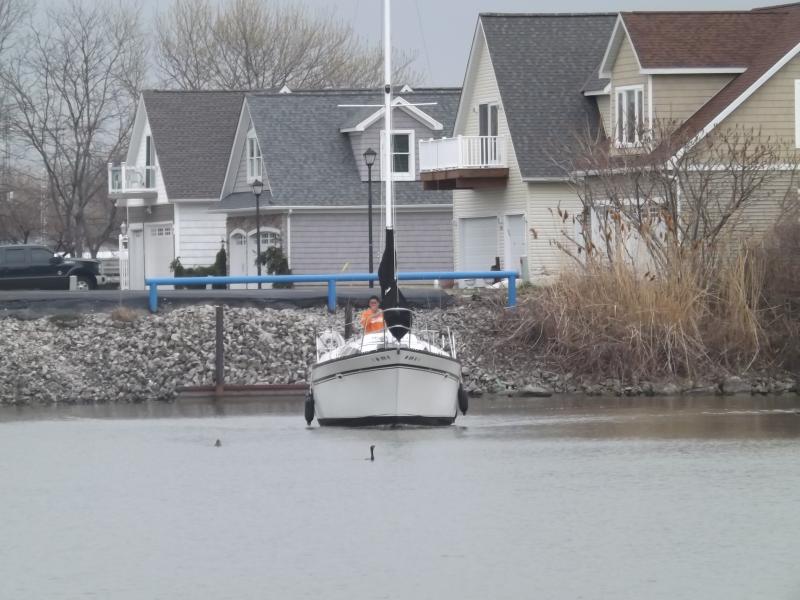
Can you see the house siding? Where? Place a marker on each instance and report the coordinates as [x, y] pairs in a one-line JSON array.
[[141, 157], [200, 233], [240, 183], [604, 108], [513, 199], [371, 138], [547, 229], [625, 72], [331, 242], [158, 214], [678, 97], [772, 107]]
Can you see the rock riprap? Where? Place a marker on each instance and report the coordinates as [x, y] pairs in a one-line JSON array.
[[96, 358]]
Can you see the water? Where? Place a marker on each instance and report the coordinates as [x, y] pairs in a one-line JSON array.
[[594, 499]]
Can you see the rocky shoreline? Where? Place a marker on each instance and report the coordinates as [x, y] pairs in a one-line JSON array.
[[134, 357]]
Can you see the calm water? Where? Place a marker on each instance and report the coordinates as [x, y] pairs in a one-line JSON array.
[[575, 499]]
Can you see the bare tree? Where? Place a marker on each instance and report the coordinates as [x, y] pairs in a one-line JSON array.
[[248, 44], [72, 86], [11, 13], [21, 208], [672, 201]]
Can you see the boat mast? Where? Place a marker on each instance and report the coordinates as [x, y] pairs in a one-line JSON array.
[[387, 110]]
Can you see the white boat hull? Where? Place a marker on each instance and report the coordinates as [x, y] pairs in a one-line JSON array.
[[389, 386]]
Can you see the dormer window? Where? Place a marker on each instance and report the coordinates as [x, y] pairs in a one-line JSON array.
[[403, 159], [629, 115], [253, 157]]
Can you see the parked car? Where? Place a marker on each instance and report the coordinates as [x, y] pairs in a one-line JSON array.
[[37, 268]]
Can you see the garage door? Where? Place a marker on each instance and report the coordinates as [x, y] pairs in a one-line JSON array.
[[478, 240], [159, 249]]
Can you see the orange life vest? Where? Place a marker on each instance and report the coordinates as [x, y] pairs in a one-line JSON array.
[[372, 321]]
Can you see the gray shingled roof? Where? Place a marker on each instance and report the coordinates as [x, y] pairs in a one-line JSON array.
[[542, 62], [595, 83], [309, 162], [193, 133]]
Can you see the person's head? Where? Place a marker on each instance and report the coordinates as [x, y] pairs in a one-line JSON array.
[[374, 302]]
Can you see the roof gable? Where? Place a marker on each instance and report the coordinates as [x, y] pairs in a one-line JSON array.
[[310, 161], [410, 109], [193, 133], [541, 63]]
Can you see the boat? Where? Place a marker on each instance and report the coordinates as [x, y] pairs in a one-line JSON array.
[[405, 374]]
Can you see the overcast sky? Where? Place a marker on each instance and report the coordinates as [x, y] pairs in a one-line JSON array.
[[440, 31]]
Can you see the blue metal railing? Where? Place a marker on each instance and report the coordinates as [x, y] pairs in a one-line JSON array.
[[331, 280]]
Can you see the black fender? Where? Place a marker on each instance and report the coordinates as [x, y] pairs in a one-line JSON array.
[[309, 407], [463, 399]]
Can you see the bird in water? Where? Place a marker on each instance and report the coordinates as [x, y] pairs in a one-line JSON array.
[[371, 453], [217, 444]]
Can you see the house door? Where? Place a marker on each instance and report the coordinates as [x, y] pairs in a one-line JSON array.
[[478, 243], [238, 258], [159, 249], [136, 259], [487, 129], [515, 242]]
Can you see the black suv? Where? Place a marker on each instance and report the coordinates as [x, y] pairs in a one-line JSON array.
[[35, 268]]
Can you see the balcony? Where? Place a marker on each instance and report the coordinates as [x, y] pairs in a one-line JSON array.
[[463, 162], [126, 181]]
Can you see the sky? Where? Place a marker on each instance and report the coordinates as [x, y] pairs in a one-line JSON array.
[[440, 31]]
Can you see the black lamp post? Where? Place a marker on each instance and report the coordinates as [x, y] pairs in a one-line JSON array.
[[258, 187], [369, 160]]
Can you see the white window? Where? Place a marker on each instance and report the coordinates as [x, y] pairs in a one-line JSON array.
[[161, 231], [403, 159], [629, 115], [253, 157], [797, 113]]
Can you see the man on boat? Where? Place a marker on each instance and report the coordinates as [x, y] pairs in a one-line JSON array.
[[372, 318]]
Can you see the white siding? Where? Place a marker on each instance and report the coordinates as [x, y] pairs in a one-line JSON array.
[[513, 199], [199, 233], [141, 157], [546, 228]]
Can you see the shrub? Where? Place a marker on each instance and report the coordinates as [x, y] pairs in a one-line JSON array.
[[276, 264]]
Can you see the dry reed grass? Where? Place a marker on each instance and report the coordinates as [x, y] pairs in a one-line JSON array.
[[608, 320]]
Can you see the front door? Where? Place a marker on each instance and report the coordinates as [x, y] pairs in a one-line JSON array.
[[136, 259], [515, 242]]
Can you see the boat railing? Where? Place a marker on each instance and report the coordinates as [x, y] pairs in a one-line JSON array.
[[420, 328]]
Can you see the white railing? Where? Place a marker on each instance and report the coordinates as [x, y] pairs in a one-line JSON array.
[[463, 152], [128, 179]]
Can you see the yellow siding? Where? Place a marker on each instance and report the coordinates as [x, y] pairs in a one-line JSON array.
[[772, 106], [624, 73], [604, 106], [678, 97]]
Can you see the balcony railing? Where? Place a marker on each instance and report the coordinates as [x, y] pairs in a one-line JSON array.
[[463, 152], [128, 180]]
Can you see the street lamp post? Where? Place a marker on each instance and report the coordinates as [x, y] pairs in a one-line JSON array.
[[369, 160], [258, 187]]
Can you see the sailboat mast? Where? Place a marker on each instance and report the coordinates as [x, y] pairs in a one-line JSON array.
[[387, 111]]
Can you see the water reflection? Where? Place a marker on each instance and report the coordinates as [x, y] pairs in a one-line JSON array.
[[561, 498], [709, 417]]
